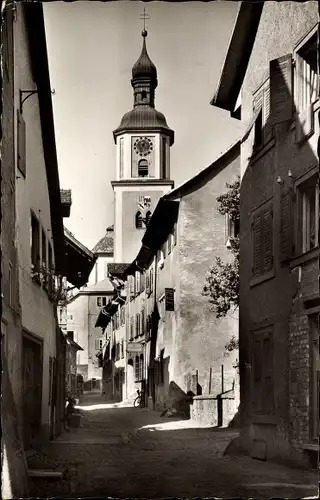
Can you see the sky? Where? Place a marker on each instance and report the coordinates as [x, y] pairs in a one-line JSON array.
[[92, 47]]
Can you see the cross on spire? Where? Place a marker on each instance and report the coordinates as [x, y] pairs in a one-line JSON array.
[[144, 16]]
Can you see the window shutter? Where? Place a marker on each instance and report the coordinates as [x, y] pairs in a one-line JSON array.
[[286, 241], [257, 111], [169, 299], [281, 89], [267, 128], [257, 245], [21, 144], [268, 390], [267, 240]]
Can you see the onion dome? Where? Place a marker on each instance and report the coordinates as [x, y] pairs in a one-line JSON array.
[[144, 67]]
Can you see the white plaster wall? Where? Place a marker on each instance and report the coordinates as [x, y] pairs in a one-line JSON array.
[[38, 314]]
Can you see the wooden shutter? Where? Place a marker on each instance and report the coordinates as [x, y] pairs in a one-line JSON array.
[[267, 240], [267, 127], [169, 299], [281, 89], [286, 232], [21, 144], [257, 245]]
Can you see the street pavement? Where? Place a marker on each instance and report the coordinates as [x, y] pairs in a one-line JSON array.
[[125, 452]]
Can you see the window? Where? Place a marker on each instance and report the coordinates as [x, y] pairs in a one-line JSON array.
[[121, 157], [143, 168], [232, 227], [139, 220], [122, 348], [35, 245], [262, 372], [143, 95], [307, 215], [169, 299], [44, 249], [307, 77], [262, 240], [137, 368], [137, 325], [122, 315], [261, 111], [98, 344], [131, 328], [148, 217], [151, 280], [70, 317], [142, 281], [141, 370], [142, 316], [138, 275], [101, 301], [118, 351]]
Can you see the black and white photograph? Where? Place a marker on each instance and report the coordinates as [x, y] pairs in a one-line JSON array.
[[160, 254]]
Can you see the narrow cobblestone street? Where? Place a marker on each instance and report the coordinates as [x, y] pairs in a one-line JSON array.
[[128, 452]]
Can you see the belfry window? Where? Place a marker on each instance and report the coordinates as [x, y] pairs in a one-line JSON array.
[[139, 220], [143, 168]]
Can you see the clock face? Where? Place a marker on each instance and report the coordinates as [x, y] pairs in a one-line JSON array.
[[143, 146]]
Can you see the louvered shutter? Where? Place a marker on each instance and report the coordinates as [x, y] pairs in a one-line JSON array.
[[169, 299], [257, 245], [267, 240], [286, 232], [21, 144], [281, 89], [267, 127]]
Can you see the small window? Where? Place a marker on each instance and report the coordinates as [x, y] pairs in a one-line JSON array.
[[35, 245], [131, 328], [142, 316], [232, 227], [122, 348], [121, 157], [143, 168], [151, 280], [307, 215], [99, 301], [143, 95], [139, 220], [137, 368], [141, 367], [104, 301], [307, 74]]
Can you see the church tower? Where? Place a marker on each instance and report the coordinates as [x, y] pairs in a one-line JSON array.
[[143, 141]]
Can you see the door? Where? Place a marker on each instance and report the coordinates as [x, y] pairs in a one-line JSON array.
[[32, 389]]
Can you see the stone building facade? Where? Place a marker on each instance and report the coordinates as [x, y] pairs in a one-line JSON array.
[[174, 345], [279, 238]]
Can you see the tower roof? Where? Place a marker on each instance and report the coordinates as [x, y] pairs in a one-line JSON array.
[[106, 243], [144, 67], [144, 116]]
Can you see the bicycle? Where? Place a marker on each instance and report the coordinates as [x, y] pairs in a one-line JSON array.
[[138, 402]]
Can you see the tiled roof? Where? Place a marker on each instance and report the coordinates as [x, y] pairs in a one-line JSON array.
[[101, 286], [116, 269], [65, 195], [105, 245]]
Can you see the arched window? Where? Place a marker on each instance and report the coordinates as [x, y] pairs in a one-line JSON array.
[[137, 368], [148, 217], [141, 367], [139, 221], [143, 168]]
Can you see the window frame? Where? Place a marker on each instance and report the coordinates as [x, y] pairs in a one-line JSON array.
[[298, 58], [300, 249]]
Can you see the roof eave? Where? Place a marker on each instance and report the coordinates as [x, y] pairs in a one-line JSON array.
[[238, 55]]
